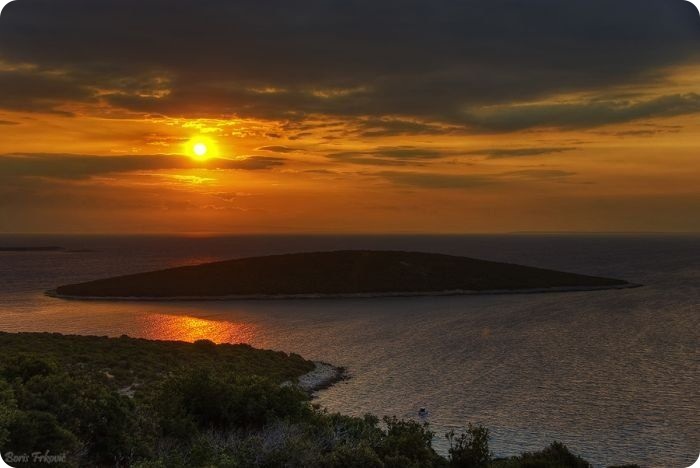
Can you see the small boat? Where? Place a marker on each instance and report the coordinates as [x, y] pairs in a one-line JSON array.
[[422, 412]]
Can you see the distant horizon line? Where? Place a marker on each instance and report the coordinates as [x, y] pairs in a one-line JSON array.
[[341, 234]]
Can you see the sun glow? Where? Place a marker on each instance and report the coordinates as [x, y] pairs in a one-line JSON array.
[[201, 148]]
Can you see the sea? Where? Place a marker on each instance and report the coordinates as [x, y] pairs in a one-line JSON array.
[[614, 375]]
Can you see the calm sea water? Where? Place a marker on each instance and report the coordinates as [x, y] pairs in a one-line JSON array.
[[615, 375]]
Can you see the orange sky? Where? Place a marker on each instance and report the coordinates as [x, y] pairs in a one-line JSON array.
[[618, 154]]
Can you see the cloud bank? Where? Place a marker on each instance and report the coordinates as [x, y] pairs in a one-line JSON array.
[[74, 166], [407, 67]]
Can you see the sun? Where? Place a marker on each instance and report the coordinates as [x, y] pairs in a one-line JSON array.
[[201, 148]]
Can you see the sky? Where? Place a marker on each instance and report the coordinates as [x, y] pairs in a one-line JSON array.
[[349, 116]]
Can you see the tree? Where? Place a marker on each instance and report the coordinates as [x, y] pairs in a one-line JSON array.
[[203, 399], [8, 411], [470, 449], [24, 367], [104, 421], [38, 431], [557, 455], [407, 444]]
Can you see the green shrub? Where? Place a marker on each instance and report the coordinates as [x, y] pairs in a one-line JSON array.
[[557, 455], [8, 411], [24, 367], [470, 449], [407, 444], [346, 456], [32, 431], [203, 400], [205, 345], [104, 421]]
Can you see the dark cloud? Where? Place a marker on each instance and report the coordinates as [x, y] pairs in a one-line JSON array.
[[8, 122], [299, 136], [390, 155], [499, 153], [411, 61], [540, 174], [636, 133], [468, 181], [646, 130], [228, 197], [32, 91], [436, 180], [582, 115], [375, 161], [277, 149], [392, 127], [416, 156], [320, 172], [253, 163], [74, 166]]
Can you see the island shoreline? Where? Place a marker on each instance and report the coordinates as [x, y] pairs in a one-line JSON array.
[[277, 297]]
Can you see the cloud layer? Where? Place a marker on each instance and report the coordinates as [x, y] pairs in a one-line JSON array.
[[424, 61], [72, 166]]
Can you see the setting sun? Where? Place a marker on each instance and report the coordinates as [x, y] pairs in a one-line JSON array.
[[201, 148]]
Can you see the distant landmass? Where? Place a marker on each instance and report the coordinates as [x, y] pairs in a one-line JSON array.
[[338, 273], [49, 248]]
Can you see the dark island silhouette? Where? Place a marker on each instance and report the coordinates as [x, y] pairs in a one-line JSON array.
[[334, 274], [50, 248]]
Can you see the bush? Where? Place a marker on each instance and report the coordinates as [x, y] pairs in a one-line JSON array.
[[8, 411], [38, 431], [205, 400], [24, 367], [358, 456], [407, 444], [205, 345], [557, 455], [104, 421], [470, 449], [110, 427]]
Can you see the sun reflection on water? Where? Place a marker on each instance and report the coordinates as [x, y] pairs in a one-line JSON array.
[[187, 328]]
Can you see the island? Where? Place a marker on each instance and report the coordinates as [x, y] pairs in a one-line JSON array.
[[50, 248], [345, 273]]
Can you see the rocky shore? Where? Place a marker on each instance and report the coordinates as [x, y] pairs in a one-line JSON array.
[[322, 376]]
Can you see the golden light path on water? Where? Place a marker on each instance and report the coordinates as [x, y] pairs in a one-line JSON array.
[[177, 321], [186, 328]]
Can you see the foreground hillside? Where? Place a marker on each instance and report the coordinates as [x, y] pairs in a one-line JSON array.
[[134, 362], [336, 273], [96, 401]]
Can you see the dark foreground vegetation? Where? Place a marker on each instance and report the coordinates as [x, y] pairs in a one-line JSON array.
[[95, 401], [334, 273]]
